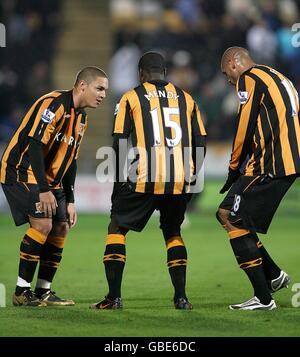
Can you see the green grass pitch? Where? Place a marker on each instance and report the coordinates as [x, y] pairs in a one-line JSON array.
[[213, 281]]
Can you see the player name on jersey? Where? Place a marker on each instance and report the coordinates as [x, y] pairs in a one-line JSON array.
[[161, 94]]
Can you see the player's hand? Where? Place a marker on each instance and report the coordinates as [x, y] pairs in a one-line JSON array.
[[72, 214], [48, 203], [233, 175]]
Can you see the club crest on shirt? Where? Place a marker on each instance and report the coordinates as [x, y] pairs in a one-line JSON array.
[[47, 116], [81, 129], [243, 97]]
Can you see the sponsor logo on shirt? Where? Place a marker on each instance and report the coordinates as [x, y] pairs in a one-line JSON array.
[[70, 140], [81, 129]]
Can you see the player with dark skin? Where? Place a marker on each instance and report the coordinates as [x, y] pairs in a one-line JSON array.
[[264, 164], [235, 61]]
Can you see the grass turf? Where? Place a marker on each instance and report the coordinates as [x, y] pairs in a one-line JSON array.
[[213, 282]]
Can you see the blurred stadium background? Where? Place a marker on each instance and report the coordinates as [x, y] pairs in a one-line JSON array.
[[49, 41]]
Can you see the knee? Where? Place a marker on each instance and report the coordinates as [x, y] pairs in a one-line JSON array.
[[114, 228], [222, 216], [60, 229], [42, 227], [169, 234]]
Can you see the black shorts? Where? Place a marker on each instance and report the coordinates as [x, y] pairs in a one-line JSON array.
[[23, 200], [132, 210], [253, 200]]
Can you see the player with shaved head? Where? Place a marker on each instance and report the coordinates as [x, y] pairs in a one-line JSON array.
[[264, 164], [235, 61]]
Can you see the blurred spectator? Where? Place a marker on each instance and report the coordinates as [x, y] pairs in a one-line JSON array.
[[189, 11], [289, 55], [38, 80], [193, 35], [182, 72], [262, 43], [123, 65], [32, 27]]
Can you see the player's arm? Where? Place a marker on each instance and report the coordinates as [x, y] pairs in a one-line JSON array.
[[250, 94], [84, 124], [198, 139], [121, 132], [50, 111], [36, 159], [68, 183]]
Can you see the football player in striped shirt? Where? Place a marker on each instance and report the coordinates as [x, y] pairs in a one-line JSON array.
[[38, 170], [264, 164]]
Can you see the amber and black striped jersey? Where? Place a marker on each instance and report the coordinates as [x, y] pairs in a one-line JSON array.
[[268, 133], [53, 121], [163, 123]]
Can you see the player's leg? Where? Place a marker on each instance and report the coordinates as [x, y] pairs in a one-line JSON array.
[[114, 258], [30, 250], [249, 258], [260, 202], [130, 211], [23, 200], [114, 262], [50, 259], [244, 246], [271, 269], [51, 254], [170, 222]]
